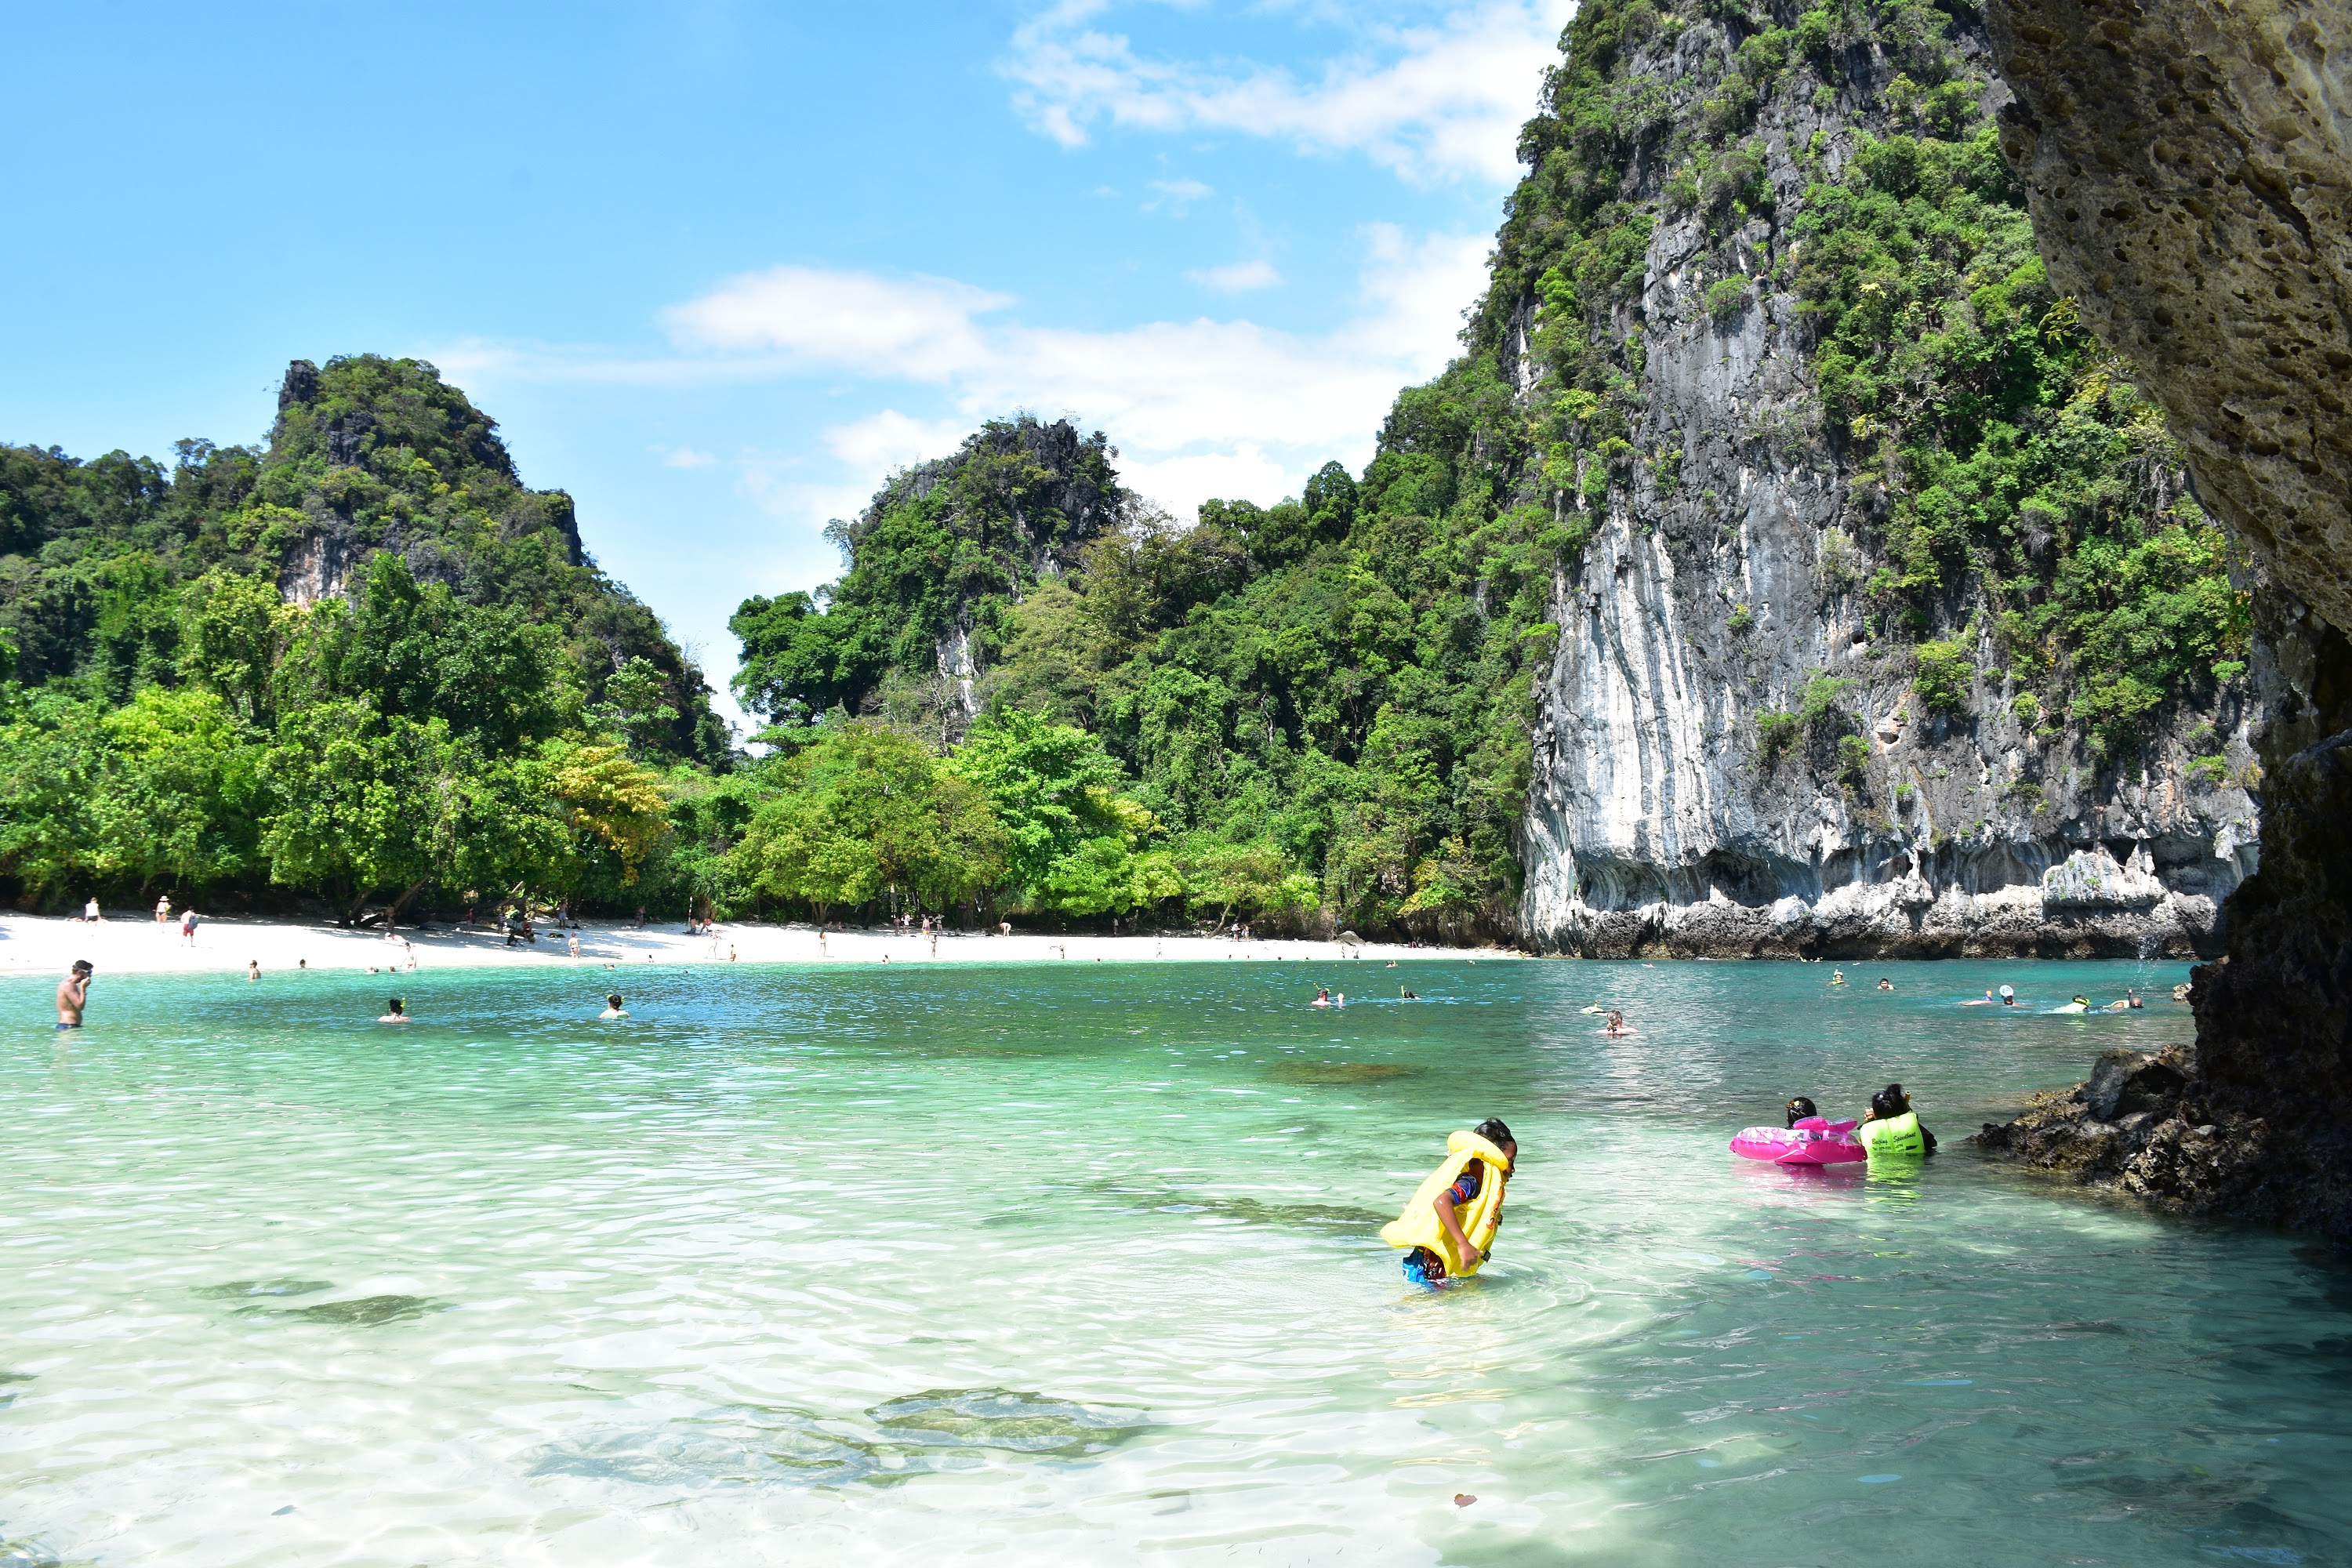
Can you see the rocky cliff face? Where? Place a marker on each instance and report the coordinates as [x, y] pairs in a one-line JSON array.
[[2189, 167], [1743, 747]]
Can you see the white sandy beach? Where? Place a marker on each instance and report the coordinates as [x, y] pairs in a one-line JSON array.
[[48, 944]]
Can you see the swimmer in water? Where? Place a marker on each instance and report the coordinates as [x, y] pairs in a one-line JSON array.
[[2008, 997], [73, 994], [1322, 996], [1885, 984], [1837, 976], [398, 1013], [252, 969], [1798, 1109], [613, 1008], [1615, 1027], [1411, 996], [1987, 1000]]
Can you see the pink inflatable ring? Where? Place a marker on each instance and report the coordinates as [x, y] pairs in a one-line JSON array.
[[1811, 1141]]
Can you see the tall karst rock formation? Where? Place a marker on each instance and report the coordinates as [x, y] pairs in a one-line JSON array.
[[1896, 626], [2189, 167]]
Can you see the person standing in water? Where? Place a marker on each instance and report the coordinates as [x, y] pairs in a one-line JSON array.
[[252, 969], [1892, 1129], [1481, 1171], [73, 994]]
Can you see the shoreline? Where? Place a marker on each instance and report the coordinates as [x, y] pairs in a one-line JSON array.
[[48, 944]]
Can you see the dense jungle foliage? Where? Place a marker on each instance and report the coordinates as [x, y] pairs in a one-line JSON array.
[[1313, 711], [188, 703]]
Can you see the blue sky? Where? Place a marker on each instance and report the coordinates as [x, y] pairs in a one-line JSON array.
[[717, 269]]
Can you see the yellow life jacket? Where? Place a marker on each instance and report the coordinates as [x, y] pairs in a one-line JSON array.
[[1894, 1136], [1418, 1224]]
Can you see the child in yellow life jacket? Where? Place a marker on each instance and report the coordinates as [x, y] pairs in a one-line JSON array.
[[1466, 1191], [1892, 1127]]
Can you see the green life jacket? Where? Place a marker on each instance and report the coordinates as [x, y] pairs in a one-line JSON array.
[[1897, 1136]]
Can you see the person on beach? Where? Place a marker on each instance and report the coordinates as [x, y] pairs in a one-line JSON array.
[[188, 926], [612, 1008], [573, 942], [398, 1010], [90, 912], [73, 994], [1891, 1129], [163, 909], [1423, 1264]]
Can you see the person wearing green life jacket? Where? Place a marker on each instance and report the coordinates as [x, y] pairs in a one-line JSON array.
[[1892, 1127]]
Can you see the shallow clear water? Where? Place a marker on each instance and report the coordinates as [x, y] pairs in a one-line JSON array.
[[1076, 1262]]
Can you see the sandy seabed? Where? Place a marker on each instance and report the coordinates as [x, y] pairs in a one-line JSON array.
[[43, 944]]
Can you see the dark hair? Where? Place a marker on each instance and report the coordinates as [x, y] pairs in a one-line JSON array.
[[81, 966], [614, 1000], [397, 1005], [1890, 1101], [1493, 1131], [1800, 1107]]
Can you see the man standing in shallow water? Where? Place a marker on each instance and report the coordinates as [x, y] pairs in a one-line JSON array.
[[73, 994]]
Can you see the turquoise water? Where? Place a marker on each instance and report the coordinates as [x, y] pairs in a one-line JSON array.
[[1076, 1263]]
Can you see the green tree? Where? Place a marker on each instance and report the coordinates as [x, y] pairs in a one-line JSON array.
[[1075, 845], [862, 814]]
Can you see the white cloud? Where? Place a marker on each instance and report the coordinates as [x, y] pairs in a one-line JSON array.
[[1427, 101], [921, 326], [1179, 193], [1199, 407], [890, 441], [684, 457], [1244, 473], [1238, 277]]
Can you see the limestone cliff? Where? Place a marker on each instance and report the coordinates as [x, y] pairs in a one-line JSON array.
[[2189, 167], [1785, 713]]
